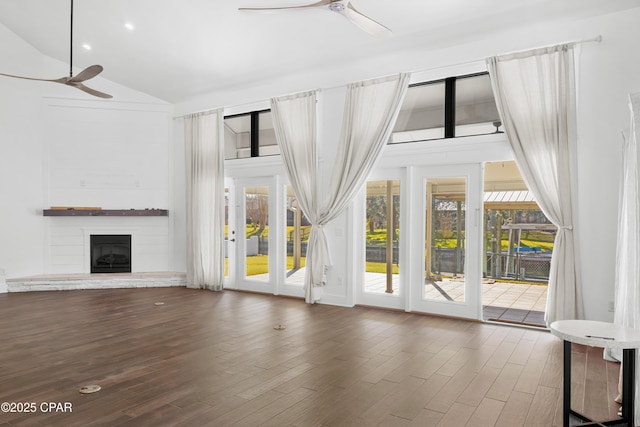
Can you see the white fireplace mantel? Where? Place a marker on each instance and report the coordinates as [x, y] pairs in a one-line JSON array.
[[69, 242]]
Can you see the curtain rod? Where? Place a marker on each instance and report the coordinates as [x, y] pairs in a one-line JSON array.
[[208, 111], [596, 39]]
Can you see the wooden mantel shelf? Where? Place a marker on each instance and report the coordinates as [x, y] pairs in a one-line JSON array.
[[105, 212]]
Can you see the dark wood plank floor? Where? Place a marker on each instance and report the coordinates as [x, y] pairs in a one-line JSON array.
[[215, 359]]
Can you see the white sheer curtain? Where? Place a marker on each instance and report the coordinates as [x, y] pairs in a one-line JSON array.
[[205, 200], [371, 109], [294, 122], [535, 95], [627, 311]]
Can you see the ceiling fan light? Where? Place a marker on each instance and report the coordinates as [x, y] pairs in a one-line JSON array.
[[336, 7]]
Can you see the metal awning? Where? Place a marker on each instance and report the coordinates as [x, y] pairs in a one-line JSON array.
[[509, 200]]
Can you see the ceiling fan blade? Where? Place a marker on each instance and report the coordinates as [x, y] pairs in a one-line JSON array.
[[86, 74], [308, 6], [67, 81], [74, 81], [89, 90], [364, 22], [60, 80]]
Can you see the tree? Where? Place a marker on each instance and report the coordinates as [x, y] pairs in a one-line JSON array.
[[257, 211], [376, 212]]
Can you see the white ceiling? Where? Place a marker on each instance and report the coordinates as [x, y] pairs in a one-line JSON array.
[[183, 48]]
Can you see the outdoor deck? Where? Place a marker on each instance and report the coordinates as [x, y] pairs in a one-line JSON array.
[[501, 301]]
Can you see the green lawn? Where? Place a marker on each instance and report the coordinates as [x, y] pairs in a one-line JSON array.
[[259, 264], [303, 262], [379, 238], [543, 245], [379, 267], [250, 230]]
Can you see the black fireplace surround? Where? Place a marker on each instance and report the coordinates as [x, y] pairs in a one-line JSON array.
[[110, 253]]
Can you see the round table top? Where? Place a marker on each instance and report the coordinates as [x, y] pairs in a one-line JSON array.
[[596, 334]]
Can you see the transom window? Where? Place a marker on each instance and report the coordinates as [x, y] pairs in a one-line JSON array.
[[449, 108], [249, 135]]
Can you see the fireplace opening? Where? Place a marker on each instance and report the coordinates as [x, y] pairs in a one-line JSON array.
[[110, 253]]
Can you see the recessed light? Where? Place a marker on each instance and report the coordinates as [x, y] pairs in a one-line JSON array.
[[129, 26], [86, 46]]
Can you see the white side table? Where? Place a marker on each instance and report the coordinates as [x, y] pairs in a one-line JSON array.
[[599, 334]]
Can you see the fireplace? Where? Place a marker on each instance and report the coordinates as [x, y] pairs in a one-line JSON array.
[[110, 253]]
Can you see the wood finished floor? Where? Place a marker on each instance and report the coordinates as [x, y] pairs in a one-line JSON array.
[[215, 359]]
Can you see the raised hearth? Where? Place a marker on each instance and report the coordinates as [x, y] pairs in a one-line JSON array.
[[65, 282]]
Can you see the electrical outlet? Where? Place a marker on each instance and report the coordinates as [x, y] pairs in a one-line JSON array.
[[612, 306]]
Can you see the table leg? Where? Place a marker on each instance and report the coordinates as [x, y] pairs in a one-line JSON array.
[[566, 393], [628, 384]]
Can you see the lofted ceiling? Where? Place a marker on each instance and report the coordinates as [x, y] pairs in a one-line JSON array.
[[183, 48]]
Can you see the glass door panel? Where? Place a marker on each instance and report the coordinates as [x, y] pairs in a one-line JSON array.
[[227, 230], [382, 231], [254, 252], [444, 248], [297, 231], [230, 234], [379, 248], [446, 267], [256, 203]]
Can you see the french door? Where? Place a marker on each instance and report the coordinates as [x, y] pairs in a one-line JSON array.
[[255, 261], [382, 283], [445, 255], [229, 233]]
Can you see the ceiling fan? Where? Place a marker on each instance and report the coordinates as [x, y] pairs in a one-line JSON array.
[[77, 80], [342, 7]]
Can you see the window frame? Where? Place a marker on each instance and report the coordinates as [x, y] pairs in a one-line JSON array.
[[254, 118], [450, 84]]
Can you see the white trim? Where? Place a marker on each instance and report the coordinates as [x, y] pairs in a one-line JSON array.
[[472, 306]]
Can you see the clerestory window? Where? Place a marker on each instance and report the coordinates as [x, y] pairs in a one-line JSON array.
[[249, 135], [449, 108]]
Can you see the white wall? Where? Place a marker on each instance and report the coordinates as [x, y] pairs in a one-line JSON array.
[[21, 160], [62, 147], [608, 71], [111, 154], [178, 256]]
